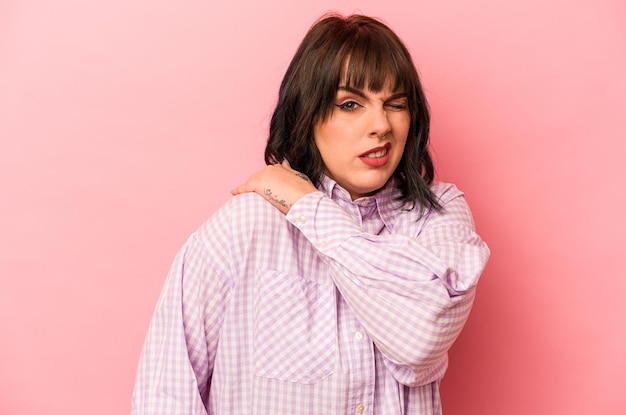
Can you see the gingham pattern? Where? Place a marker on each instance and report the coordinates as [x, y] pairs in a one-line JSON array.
[[339, 307]]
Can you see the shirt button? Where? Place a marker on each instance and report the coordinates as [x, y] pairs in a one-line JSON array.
[[323, 244], [302, 219], [358, 335], [360, 408], [364, 202]]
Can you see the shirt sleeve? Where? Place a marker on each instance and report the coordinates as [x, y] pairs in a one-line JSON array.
[[177, 360], [412, 290]]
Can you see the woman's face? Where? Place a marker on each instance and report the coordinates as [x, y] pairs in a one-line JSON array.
[[362, 141]]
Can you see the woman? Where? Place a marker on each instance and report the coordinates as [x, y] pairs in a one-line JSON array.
[[338, 277]]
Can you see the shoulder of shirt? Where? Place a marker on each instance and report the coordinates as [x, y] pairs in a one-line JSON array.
[[445, 191], [402, 218], [246, 201], [245, 208], [239, 217]]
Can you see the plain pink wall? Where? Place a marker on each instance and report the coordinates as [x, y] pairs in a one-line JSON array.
[[124, 123]]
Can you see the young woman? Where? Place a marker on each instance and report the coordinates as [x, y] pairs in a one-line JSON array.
[[338, 277]]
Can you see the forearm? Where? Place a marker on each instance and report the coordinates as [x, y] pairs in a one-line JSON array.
[[411, 293], [413, 324]]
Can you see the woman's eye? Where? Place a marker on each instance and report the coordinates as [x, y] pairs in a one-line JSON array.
[[348, 106], [397, 106]]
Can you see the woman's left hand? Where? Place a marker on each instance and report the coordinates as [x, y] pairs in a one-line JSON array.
[[279, 184]]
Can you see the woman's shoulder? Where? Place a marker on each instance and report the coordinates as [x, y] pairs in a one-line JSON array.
[[412, 220], [241, 214], [252, 207], [445, 191], [248, 202]]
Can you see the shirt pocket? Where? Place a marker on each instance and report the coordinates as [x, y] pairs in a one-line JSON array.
[[294, 328]]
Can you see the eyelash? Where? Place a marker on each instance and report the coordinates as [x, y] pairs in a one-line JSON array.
[[397, 107], [350, 106]]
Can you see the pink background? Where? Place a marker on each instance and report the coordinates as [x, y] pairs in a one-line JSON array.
[[124, 123]]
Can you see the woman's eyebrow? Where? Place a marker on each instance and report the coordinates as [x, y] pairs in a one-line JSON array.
[[360, 93], [352, 90], [397, 95]]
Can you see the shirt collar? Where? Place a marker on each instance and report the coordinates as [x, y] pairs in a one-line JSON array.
[[386, 199]]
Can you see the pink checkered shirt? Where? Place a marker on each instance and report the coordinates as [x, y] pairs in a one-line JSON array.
[[339, 307]]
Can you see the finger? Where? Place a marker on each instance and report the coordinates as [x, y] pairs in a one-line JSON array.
[[242, 188]]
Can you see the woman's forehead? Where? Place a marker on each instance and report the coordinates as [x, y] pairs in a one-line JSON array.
[[372, 76], [389, 84], [386, 91]]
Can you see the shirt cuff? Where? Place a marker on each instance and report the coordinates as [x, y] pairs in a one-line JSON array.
[[324, 223]]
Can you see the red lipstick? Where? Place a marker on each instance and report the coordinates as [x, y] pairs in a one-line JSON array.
[[376, 157]]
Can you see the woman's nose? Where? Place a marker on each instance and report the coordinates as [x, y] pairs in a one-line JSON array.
[[380, 124]]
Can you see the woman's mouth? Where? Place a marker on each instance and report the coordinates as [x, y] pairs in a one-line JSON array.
[[376, 157], [376, 154]]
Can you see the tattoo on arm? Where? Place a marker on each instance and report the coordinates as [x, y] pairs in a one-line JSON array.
[[271, 196]]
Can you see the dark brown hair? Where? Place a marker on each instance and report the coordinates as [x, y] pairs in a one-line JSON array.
[[363, 53]]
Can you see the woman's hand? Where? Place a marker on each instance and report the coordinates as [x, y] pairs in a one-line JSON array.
[[279, 184]]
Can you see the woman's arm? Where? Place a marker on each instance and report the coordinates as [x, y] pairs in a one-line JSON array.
[[411, 292], [177, 360]]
